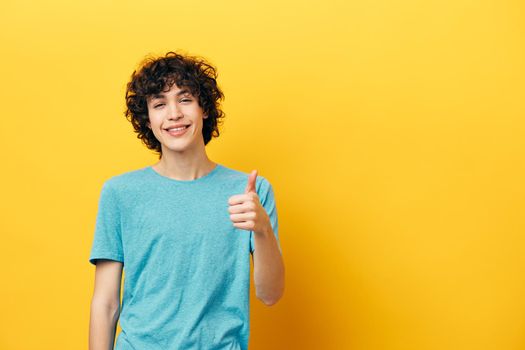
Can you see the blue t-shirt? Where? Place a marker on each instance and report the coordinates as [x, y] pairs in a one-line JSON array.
[[186, 267]]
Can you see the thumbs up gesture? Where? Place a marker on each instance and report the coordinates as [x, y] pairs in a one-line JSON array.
[[246, 211]]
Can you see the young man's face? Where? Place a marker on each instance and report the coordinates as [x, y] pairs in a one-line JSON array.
[[173, 108]]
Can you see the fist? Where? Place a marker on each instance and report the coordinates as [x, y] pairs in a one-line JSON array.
[[246, 211]]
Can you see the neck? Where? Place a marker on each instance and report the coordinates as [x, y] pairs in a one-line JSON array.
[[184, 167]]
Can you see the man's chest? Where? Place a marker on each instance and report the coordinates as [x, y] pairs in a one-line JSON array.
[[181, 229]]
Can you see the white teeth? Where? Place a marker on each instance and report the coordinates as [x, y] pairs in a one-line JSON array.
[[177, 129]]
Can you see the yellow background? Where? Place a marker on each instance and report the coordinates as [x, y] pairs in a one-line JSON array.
[[392, 132]]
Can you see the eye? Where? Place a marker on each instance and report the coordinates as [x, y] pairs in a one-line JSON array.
[[186, 99], [160, 104]]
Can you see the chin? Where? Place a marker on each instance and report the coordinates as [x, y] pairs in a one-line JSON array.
[[178, 147]]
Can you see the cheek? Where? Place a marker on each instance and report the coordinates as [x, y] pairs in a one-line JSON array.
[[155, 121]]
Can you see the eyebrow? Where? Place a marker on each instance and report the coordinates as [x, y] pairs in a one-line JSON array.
[[161, 95]]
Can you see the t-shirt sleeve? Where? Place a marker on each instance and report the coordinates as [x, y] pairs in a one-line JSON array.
[[266, 195], [107, 240]]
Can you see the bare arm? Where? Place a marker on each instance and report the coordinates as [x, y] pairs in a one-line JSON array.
[[268, 267], [105, 305], [248, 213]]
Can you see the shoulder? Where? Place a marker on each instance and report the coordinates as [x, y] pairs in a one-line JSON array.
[[263, 186], [123, 182], [261, 183]]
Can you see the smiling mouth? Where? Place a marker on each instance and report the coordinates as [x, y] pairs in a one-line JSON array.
[[176, 132], [177, 129]]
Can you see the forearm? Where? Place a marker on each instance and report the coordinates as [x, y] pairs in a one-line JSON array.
[[268, 268], [102, 326]]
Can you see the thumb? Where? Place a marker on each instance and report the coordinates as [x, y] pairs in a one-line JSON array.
[[250, 187]]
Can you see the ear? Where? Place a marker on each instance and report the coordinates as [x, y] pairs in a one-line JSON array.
[[148, 125], [205, 116]]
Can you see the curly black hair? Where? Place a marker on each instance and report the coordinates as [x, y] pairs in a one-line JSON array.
[[156, 74]]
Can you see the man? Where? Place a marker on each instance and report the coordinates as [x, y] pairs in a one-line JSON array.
[[182, 228]]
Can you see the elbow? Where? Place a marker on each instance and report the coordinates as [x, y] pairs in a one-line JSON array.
[[109, 306], [270, 300]]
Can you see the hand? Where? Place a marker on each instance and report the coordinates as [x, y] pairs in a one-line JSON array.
[[246, 211]]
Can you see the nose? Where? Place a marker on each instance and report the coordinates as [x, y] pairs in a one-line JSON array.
[[174, 112]]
